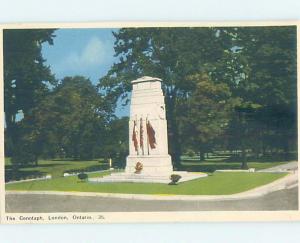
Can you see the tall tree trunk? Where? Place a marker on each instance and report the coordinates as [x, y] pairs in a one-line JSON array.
[[244, 158], [202, 155], [11, 133], [36, 163], [173, 136], [286, 150]]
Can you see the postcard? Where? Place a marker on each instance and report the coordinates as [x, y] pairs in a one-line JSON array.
[[149, 122]]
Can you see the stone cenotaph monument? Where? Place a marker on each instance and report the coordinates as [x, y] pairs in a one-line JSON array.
[[148, 138], [148, 159]]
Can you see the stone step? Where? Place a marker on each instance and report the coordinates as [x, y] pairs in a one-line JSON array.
[[111, 180], [142, 178]]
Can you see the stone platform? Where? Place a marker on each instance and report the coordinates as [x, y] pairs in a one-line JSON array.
[[147, 178]]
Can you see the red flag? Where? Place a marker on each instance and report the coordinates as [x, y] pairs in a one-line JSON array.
[[134, 138], [141, 135], [151, 135]]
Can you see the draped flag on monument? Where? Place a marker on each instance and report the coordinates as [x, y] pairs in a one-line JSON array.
[[134, 137], [141, 135], [151, 135]]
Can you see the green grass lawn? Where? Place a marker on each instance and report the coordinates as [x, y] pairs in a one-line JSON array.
[[222, 163], [217, 184], [211, 166], [56, 168]]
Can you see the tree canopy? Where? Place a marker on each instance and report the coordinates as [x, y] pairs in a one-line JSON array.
[[26, 77], [256, 64], [225, 88]]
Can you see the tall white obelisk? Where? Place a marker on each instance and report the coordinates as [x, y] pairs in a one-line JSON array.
[[148, 138]]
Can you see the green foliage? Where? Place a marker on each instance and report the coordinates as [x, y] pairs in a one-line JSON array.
[[71, 120], [169, 53], [266, 119], [116, 143], [26, 149], [174, 179], [225, 88], [207, 72], [190, 153], [26, 77], [205, 116], [83, 176], [271, 58], [24, 155]]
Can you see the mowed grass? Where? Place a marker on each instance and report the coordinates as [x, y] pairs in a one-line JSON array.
[[223, 163], [210, 166], [216, 184], [55, 168]]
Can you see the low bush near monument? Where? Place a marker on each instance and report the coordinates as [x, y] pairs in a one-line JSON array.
[[82, 176], [174, 179]]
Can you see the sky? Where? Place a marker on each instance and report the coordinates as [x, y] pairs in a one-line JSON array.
[[85, 52]]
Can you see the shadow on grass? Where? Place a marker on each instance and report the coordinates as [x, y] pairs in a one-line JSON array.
[[22, 175], [78, 160], [209, 167], [39, 165], [227, 163], [89, 169], [237, 159], [11, 175]]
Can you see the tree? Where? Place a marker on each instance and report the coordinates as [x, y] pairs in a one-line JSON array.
[[26, 77], [27, 147], [116, 143], [271, 58], [268, 85], [168, 53], [206, 115], [71, 121]]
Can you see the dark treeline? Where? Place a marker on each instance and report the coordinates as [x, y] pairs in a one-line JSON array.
[[230, 89], [49, 118], [225, 88]]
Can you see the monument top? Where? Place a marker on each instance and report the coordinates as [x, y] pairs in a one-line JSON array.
[[145, 79]]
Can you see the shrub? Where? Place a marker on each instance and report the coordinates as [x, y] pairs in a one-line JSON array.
[[174, 179], [88, 169], [138, 167], [23, 155], [82, 176], [191, 153]]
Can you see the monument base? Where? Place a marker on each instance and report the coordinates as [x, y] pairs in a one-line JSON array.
[[155, 169], [147, 178], [152, 164]]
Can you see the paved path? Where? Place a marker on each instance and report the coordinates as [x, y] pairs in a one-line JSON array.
[[291, 166], [286, 199]]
